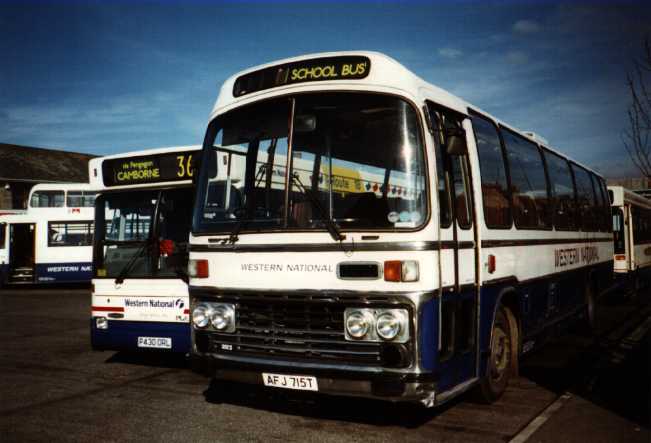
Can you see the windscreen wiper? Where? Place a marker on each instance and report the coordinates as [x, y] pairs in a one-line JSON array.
[[124, 272], [233, 237], [330, 225]]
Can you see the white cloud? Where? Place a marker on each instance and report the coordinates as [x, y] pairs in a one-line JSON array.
[[526, 27], [450, 53], [517, 57]]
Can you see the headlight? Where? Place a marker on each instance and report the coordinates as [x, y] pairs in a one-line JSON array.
[[358, 323], [377, 325], [410, 270], [387, 326], [101, 323], [201, 316], [223, 318]]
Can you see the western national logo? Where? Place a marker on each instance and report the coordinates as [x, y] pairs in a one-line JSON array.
[[131, 303]]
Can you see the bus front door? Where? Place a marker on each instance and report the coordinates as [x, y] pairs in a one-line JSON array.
[[21, 252], [457, 356]]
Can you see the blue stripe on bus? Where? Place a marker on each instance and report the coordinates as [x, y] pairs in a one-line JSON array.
[[63, 272], [4, 273], [429, 331], [123, 335]]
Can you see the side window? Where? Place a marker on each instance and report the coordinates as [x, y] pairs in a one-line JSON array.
[[70, 233], [531, 202], [80, 199], [3, 230], [585, 198], [562, 187], [645, 225], [599, 208], [494, 186], [47, 199], [606, 194]]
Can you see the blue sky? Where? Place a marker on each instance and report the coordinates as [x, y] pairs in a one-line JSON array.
[[108, 77]]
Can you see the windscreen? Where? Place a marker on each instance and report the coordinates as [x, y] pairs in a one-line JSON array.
[[356, 160], [143, 234]]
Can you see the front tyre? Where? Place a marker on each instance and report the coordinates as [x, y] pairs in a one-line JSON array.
[[502, 355]]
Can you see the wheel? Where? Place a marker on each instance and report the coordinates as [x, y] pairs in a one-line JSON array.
[[503, 356], [590, 308]]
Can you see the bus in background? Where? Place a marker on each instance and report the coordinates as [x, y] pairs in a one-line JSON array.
[[140, 252], [632, 236], [388, 239], [51, 241]]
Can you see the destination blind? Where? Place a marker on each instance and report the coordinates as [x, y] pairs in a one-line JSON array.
[[168, 167], [318, 69]]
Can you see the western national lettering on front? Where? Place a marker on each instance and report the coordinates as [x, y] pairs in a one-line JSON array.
[[280, 267]]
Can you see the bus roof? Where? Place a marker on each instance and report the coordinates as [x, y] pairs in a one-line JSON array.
[[385, 75], [622, 195], [61, 187], [142, 169]]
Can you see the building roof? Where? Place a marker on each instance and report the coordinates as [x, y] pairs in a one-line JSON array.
[[23, 163]]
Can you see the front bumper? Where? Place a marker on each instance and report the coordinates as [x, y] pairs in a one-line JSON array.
[[122, 335], [390, 386]]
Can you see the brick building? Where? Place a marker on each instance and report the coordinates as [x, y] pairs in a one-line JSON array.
[[21, 167]]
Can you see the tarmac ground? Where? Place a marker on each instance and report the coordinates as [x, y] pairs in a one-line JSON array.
[[54, 387]]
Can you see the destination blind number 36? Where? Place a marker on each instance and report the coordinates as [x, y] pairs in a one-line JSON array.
[[185, 166]]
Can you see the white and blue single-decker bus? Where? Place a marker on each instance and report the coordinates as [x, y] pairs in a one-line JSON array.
[[140, 250], [369, 234]]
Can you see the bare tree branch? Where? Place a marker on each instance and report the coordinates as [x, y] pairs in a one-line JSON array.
[[636, 138]]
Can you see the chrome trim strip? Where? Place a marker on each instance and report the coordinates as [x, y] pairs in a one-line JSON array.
[[216, 245], [263, 361], [542, 241]]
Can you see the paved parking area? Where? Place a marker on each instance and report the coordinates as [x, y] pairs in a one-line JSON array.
[[54, 387]]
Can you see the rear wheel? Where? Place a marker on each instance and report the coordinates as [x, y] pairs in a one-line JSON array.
[[503, 355], [590, 308]]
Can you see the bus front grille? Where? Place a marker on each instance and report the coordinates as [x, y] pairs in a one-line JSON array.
[[291, 329]]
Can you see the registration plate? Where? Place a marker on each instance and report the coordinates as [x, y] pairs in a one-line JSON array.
[[298, 382], [155, 342]]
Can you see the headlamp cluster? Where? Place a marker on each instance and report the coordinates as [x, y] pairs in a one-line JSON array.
[[362, 324], [218, 316]]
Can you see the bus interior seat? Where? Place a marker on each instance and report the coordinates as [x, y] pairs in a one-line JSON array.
[[301, 213]]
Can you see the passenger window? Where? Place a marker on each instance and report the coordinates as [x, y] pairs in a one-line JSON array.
[[585, 198], [563, 192], [3, 227], [529, 190], [604, 190], [497, 210], [83, 199], [47, 199], [70, 233], [601, 216]]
